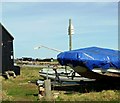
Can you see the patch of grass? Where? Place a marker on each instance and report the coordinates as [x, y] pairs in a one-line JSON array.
[[105, 95], [18, 89]]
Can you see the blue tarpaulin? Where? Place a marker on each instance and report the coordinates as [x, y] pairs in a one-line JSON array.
[[92, 57]]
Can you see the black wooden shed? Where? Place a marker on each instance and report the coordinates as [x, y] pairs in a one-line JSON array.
[[6, 50]]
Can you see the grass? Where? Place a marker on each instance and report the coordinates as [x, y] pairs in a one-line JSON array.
[[18, 89], [107, 95]]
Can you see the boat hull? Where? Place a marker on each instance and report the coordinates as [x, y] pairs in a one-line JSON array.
[[94, 74]]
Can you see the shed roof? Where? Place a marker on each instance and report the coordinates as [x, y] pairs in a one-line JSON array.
[[3, 28]]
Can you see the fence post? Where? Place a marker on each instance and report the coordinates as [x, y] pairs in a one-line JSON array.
[[47, 89]]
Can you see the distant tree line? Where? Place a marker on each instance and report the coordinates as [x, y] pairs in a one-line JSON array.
[[35, 60]]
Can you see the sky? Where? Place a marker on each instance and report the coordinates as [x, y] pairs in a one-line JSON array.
[[46, 23], [60, 0]]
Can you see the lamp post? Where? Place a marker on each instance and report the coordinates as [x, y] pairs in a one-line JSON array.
[[53, 49], [70, 33]]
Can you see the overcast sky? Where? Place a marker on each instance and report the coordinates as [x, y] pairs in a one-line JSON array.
[[46, 23]]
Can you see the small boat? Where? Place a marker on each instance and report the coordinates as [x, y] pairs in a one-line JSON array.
[[92, 62], [61, 75]]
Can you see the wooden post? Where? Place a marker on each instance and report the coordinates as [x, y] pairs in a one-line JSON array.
[[47, 89], [70, 32]]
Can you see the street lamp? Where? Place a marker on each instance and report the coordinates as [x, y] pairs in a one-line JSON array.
[[53, 49]]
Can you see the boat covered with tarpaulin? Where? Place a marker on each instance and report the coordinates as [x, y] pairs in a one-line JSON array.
[[92, 62]]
